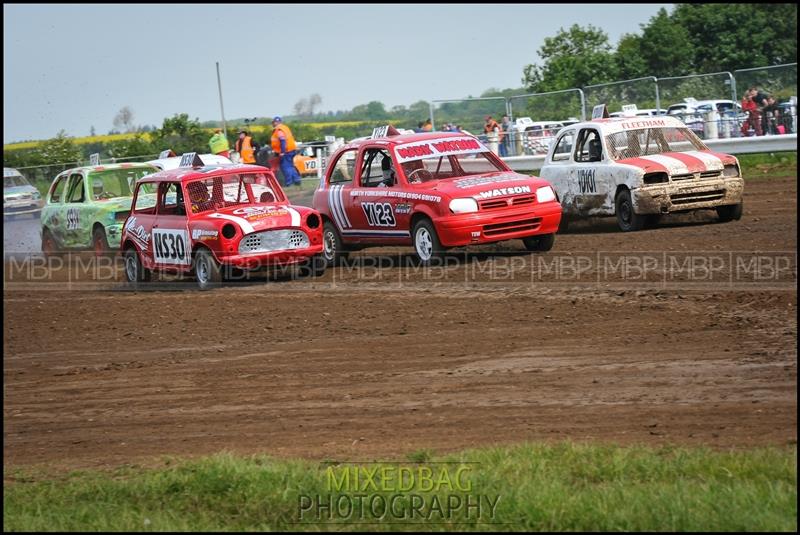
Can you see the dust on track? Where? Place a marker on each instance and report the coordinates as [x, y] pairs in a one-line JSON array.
[[379, 361]]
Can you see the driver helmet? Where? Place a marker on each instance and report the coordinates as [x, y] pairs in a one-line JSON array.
[[97, 188], [198, 192]]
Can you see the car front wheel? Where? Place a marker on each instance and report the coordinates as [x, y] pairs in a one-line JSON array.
[[627, 219], [426, 242], [207, 270], [541, 243], [135, 273], [732, 212]]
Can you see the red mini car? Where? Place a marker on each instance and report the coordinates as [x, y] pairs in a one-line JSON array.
[[432, 191], [204, 219]]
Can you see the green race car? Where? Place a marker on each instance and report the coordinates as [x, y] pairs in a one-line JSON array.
[[87, 206]]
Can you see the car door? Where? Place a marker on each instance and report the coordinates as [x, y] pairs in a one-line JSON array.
[[139, 225], [560, 168], [54, 215], [338, 187], [76, 229], [171, 246], [375, 205], [592, 182]]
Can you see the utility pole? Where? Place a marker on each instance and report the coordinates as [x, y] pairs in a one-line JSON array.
[[221, 107]]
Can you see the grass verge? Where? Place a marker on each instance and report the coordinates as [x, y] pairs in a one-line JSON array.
[[555, 487]]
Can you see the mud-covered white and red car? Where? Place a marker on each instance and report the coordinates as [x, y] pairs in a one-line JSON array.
[[205, 219], [639, 168], [432, 191]]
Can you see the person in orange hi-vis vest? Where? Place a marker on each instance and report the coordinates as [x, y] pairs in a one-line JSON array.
[[246, 148], [285, 147]]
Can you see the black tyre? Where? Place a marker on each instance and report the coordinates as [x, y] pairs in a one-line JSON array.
[[207, 270], [426, 242], [49, 245], [563, 226], [332, 248], [652, 220], [100, 242], [541, 243], [731, 212], [135, 273], [627, 219]]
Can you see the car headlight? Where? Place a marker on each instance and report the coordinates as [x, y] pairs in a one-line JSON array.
[[37, 195], [731, 170], [545, 194], [461, 206]]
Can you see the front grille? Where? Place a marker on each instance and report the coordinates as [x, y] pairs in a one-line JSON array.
[[703, 175], [502, 203], [490, 205], [273, 240], [699, 196], [512, 226]]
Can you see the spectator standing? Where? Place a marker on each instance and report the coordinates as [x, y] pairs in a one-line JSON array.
[[285, 147], [753, 115], [760, 98], [427, 126], [246, 147], [219, 144], [505, 136], [489, 127]]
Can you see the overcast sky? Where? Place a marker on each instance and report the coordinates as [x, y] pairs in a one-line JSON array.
[[72, 67]]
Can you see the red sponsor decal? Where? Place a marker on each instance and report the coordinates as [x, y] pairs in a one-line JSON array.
[[416, 151], [457, 145], [644, 124]]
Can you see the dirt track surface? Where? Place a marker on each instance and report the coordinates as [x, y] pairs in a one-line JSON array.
[[378, 361]]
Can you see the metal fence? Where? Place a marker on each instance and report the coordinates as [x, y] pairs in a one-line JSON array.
[[686, 97], [41, 176], [467, 113], [641, 91]]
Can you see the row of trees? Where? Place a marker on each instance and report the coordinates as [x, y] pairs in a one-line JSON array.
[[693, 38]]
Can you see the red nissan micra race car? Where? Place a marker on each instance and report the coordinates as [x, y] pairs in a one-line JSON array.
[[211, 218], [432, 191]]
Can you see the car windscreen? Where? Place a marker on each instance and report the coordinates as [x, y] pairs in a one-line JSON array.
[[13, 181], [112, 183], [453, 166], [648, 141], [436, 159], [218, 192]]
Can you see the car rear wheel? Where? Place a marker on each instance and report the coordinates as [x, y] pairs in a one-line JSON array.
[[732, 212], [332, 247], [541, 243], [207, 270], [135, 273], [100, 242], [627, 219], [426, 242], [49, 245]]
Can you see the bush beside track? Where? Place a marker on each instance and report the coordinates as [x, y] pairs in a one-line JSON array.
[[564, 486]]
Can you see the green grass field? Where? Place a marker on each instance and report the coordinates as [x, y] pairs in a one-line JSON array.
[[556, 487]]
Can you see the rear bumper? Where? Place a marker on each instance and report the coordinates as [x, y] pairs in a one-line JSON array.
[[275, 258], [681, 196], [497, 225]]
